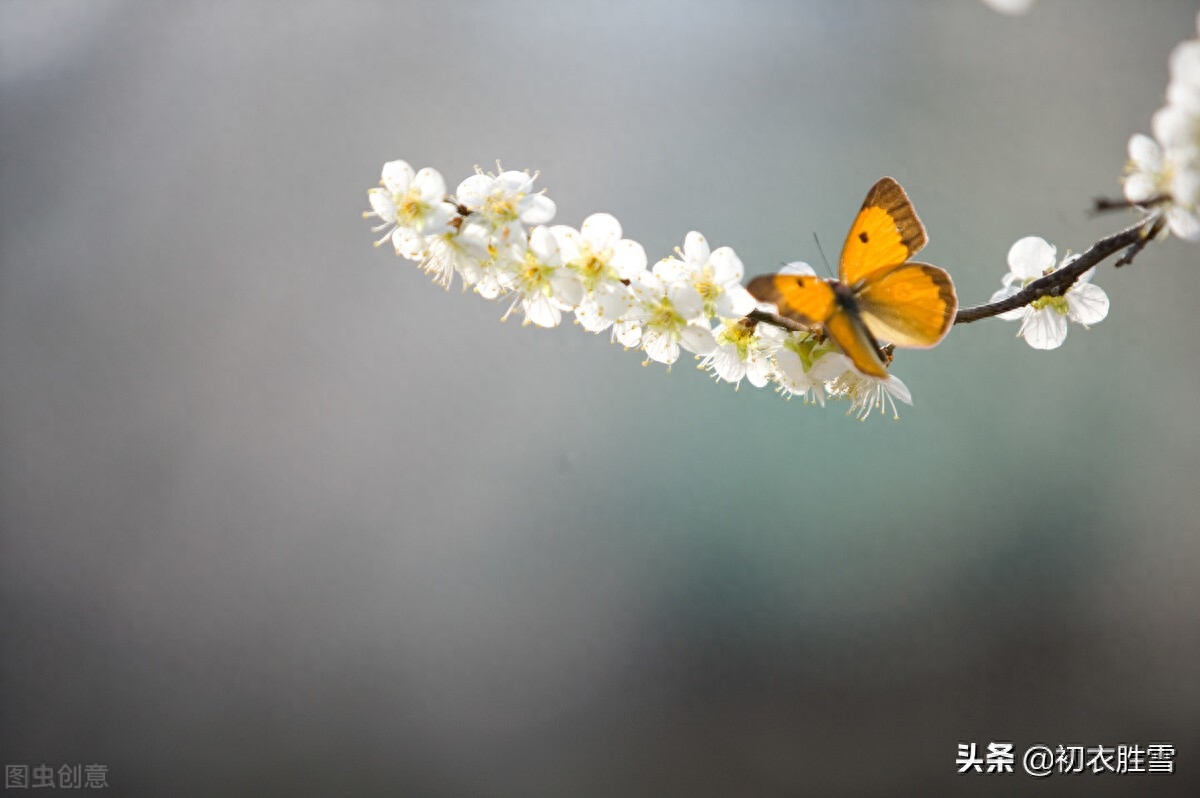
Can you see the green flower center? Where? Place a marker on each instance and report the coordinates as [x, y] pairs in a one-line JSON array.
[[1056, 303], [501, 208]]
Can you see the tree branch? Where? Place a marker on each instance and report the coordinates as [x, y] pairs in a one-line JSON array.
[[1132, 239]]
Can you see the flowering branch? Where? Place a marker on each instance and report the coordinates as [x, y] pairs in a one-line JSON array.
[[1132, 239], [494, 235]]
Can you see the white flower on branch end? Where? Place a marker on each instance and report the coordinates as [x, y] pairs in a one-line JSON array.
[[412, 206], [1163, 174], [1044, 321]]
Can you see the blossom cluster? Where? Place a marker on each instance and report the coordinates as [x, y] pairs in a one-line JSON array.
[[1163, 175], [494, 233]]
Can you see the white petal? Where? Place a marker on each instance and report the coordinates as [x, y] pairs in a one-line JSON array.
[[474, 190], [727, 266], [648, 287], [473, 236], [514, 182], [660, 347], [628, 333], [408, 243], [798, 267], [1185, 185], [673, 270], [790, 373], [758, 372], [437, 220], [1087, 303], [601, 230], [569, 242], [629, 259], [1185, 62], [1005, 293], [544, 246], [1140, 187], [537, 209], [697, 338], [591, 316], [830, 366], [696, 249], [1044, 329], [1011, 7], [687, 301], [397, 176], [381, 204], [1183, 224], [431, 185], [1031, 257], [1176, 128], [1184, 93], [741, 301], [567, 287], [726, 364], [541, 311], [1145, 153], [898, 389]]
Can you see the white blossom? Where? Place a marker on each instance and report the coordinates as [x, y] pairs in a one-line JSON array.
[[716, 276], [1012, 7], [665, 318], [507, 201], [534, 271], [1163, 173], [605, 262], [1044, 321], [412, 206], [867, 393], [743, 351]]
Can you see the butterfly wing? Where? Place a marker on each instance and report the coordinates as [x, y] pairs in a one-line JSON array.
[[814, 302], [912, 304], [848, 331], [886, 232], [801, 297]]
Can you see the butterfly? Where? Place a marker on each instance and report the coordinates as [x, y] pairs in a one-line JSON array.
[[880, 295]]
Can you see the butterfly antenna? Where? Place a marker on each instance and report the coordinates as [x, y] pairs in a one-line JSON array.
[[822, 251]]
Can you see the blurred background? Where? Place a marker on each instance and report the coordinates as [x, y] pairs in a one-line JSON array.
[[280, 517]]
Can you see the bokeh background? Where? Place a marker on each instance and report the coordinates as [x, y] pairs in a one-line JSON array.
[[280, 517]]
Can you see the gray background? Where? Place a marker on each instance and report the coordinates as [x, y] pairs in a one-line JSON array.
[[282, 518]]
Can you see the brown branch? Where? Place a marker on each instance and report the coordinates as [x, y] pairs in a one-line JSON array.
[[1132, 239], [777, 320]]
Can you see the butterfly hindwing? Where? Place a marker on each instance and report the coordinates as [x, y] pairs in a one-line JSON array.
[[911, 304], [886, 232], [849, 332], [801, 297]]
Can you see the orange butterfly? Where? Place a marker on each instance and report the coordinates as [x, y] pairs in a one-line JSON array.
[[880, 296]]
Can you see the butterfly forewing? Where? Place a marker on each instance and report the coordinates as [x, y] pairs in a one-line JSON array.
[[912, 304], [886, 232], [800, 297]]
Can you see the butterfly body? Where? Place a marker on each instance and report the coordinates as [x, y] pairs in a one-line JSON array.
[[880, 295]]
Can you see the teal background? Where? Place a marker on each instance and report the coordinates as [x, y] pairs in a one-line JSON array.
[[280, 517]]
